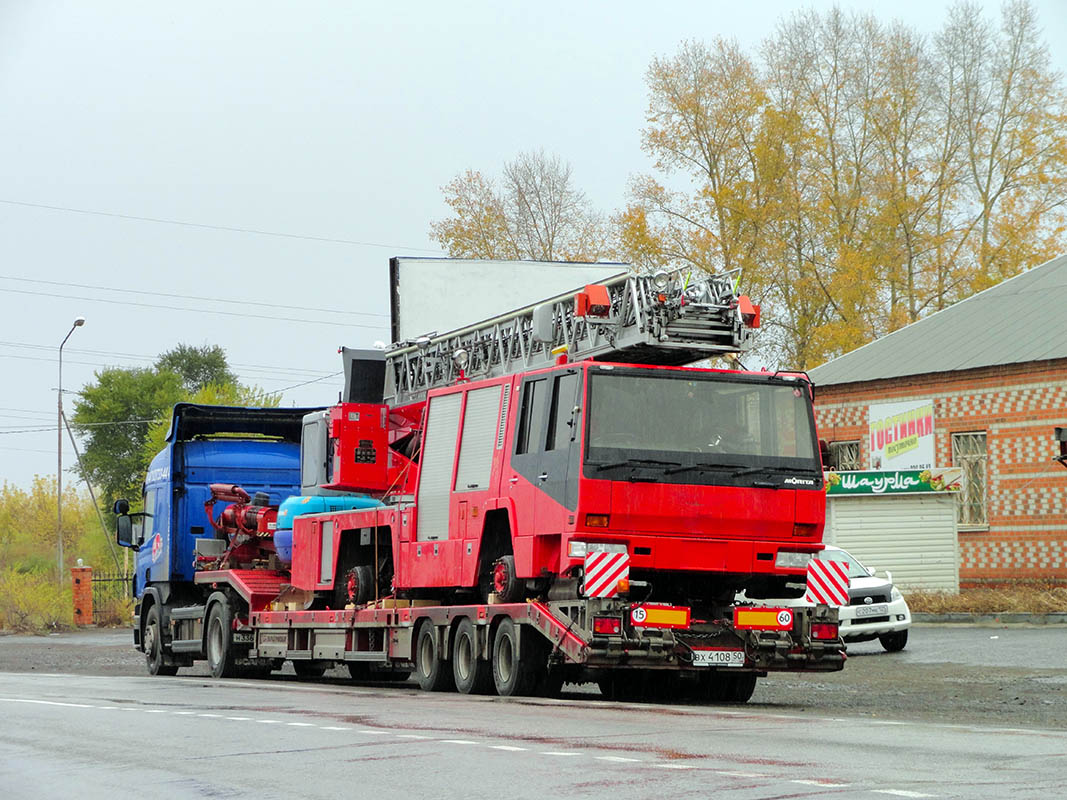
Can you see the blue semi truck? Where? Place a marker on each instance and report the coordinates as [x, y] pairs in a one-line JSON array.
[[255, 448]]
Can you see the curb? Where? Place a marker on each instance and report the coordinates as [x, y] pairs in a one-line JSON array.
[[1057, 618]]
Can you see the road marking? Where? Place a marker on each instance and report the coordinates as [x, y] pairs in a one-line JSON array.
[[210, 715], [154, 710], [457, 741], [558, 753], [269, 721], [615, 758], [334, 728], [902, 793], [824, 784], [507, 747], [239, 719], [301, 724], [47, 702], [375, 733], [740, 774], [674, 766], [184, 713], [411, 736]]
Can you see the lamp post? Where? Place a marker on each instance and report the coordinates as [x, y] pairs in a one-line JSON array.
[[78, 322]]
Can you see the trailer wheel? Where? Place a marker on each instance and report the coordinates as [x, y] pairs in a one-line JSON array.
[[430, 669], [472, 674], [309, 669], [516, 676], [221, 657], [742, 687], [153, 645], [724, 687]]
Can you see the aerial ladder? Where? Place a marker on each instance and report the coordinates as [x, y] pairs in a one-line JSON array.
[[668, 318]]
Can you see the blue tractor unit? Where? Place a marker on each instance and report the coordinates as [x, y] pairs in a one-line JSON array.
[[248, 459]]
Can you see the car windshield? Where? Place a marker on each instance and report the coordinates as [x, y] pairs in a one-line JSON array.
[[700, 420], [855, 568]]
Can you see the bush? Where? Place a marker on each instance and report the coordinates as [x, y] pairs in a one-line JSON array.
[[1020, 597], [113, 612], [33, 602]]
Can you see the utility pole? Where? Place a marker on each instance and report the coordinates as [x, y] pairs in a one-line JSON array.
[[78, 322]]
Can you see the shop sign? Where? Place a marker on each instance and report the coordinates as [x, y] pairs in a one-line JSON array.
[[901, 435], [909, 481]]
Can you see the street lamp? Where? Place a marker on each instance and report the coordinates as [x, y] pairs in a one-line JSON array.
[[78, 322]]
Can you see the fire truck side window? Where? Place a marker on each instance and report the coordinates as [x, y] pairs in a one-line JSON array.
[[531, 437], [563, 396]]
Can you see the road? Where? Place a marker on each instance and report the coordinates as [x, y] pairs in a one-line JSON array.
[[191, 737], [869, 732]]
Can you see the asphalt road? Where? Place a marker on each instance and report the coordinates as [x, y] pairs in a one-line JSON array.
[[948, 717]]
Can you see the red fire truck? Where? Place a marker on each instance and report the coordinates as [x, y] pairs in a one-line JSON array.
[[548, 496]]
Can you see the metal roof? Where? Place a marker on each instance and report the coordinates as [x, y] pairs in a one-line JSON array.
[[1021, 319]]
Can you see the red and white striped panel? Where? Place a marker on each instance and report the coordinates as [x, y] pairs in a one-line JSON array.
[[827, 582], [603, 571]]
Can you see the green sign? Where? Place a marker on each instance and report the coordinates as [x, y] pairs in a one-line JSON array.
[[904, 481]]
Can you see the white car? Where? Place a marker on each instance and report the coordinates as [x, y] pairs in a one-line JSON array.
[[876, 609]]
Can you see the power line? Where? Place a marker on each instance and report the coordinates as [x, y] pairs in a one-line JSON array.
[[294, 371], [128, 303], [305, 383], [242, 301], [232, 229]]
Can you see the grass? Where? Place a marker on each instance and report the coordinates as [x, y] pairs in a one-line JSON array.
[[1012, 598]]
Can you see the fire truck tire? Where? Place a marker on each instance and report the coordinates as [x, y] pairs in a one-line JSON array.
[[894, 642], [309, 669], [153, 645], [473, 675], [221, 655], [508, 588], [431, 670], [518, 671]]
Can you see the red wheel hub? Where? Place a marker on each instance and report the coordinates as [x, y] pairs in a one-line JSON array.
[[500, 577]]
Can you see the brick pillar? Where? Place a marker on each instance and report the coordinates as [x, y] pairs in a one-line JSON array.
[[82, 582]]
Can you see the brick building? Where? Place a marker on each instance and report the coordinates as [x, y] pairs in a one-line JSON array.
[[994, 367]]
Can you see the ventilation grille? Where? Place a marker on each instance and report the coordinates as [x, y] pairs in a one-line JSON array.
[[503, 416]]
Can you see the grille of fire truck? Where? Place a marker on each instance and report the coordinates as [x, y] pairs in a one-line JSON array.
[[670, 318]]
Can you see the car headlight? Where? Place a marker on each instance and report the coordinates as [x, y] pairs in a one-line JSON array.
[[895, 594]]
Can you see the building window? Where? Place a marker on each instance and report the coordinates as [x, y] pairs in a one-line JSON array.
[[844, 456], [969, 453]]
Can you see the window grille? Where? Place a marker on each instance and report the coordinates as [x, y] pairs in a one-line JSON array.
[[969, 453], [845, 456]]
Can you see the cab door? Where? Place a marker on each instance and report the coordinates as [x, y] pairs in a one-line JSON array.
[[559, 462]]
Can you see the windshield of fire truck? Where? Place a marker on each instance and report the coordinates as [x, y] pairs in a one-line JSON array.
[[693, 418]]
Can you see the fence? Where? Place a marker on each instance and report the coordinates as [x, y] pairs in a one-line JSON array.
[[111, 601]]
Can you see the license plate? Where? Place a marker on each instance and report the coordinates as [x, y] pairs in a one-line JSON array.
[[242, 637], [872, 611], [718, 658]]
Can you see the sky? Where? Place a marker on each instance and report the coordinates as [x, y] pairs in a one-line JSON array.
[[239, 173]]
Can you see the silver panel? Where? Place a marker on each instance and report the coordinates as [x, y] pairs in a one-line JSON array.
[[503, 416], [435, 474], [480, 423], [326, 559]]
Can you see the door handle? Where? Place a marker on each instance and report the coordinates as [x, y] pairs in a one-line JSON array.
[[543, 476], [513, 479]]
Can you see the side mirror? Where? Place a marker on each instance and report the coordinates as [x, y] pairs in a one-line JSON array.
[[121, 507], [123, 527]]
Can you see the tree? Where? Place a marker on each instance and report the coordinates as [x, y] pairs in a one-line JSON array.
[[197, 366], [125, 412], [858, 176], [535, 213]]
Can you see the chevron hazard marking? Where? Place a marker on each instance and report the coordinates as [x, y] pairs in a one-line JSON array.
[[827, 582], [603, 571]]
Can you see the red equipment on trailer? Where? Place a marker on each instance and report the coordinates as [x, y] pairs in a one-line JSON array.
[[559, 499]]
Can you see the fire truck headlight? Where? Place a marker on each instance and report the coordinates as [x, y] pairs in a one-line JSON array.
[[578, 549], [792, 559]]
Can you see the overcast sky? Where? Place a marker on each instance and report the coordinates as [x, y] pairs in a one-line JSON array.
[[330, 124]]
